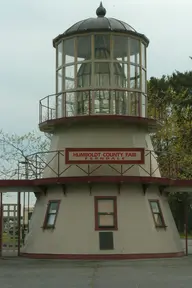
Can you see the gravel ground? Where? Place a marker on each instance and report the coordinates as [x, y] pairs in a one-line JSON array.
[[19, 273]]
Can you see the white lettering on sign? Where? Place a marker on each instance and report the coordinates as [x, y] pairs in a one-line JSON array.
[[129, 156]]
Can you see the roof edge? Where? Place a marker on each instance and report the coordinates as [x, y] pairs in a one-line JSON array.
[[131, 33]]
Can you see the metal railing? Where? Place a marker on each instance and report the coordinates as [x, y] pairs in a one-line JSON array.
[[97, 102], [156, 165]]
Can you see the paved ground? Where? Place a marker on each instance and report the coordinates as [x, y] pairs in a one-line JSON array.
[[189, 245], [168, 273]]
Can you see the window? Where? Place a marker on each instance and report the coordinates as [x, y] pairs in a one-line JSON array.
[[157, 213], [105, 213], [51, 214]]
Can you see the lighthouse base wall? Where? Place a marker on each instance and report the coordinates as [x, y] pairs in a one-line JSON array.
[[74, 235]]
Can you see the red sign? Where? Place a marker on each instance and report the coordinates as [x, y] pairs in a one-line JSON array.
[[104, 155]]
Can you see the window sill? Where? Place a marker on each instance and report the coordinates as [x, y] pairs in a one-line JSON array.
[[161, 227], [106, 229], [48, 227]]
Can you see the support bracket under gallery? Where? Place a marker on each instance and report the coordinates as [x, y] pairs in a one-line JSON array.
[[119, 185], [162, 189], [43, 190], [145, 187], [64, 189], [90, 187]]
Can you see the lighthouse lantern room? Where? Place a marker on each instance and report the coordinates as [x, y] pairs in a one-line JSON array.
[[101, 194]]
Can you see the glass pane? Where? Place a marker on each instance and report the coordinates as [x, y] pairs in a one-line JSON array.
[[135, 81], [83, 48], [119, 102], [59, 54], [70, 104], [120, 48], [69, 51], [84, 75], [53, 207], [59, 105], [120, 75], [69, 77], [102, 74], [59, 81], [143, 105], [51, 220], [102, 102], [106, 220], [138, 78], [134, 104], [83, 103], [143, 81], [155, 207], [158, 219], [134, 51], [105, 206], [102, 46], [143, 55]]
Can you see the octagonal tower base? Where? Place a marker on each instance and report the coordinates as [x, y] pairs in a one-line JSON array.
[[76, 236]]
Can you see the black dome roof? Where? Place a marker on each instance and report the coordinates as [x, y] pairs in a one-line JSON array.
[[101, 23]]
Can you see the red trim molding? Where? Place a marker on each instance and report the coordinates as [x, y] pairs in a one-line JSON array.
[[103, 256], [35, 184], [49, 125]]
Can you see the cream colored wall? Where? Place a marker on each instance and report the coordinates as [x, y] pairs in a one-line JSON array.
[[75, 234], [101, 136]]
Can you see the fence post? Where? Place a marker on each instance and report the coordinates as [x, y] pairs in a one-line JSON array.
[[1, 223], [19, 221], [186, 228]]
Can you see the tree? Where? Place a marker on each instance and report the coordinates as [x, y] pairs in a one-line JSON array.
[[15, 148], [173, 142]]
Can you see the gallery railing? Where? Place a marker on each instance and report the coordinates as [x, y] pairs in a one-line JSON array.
[[157, 165], [97, 102]]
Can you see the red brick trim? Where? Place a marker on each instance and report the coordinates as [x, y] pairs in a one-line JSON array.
[[103, 256]]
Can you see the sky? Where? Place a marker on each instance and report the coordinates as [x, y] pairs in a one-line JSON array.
[[27, 57]]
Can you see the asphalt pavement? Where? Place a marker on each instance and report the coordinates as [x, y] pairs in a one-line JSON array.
[[165, 273]]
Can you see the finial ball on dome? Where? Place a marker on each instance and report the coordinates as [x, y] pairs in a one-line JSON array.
[[101, 11]]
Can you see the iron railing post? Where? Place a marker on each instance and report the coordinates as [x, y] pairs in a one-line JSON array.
[[150, 159], [40, 112], [47, 107], [58, 164], [36, 167]]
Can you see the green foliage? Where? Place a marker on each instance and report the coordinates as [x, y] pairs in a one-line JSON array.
[[171, 96]]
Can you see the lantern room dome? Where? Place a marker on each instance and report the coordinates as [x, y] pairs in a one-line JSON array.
[[100, 24]]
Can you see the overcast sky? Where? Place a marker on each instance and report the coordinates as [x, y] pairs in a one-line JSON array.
[[27, 57]]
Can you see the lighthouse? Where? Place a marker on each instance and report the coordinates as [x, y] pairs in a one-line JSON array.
[[101, 194]]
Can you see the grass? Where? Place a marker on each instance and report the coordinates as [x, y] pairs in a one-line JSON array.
[[7, 239], [183, 236]]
